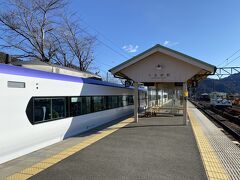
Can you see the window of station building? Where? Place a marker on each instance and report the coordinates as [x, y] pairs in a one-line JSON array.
[[42, 109]]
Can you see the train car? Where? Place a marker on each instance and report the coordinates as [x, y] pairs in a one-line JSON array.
[[204, 97], [41, 108], [219, 100]]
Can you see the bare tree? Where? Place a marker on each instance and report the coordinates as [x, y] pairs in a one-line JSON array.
[[27, 27], [79, 42], [37, 29], [63, 55]]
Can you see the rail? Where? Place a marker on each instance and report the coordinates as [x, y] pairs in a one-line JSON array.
[[228, 124]]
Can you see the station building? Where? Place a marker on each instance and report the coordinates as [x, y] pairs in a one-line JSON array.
[[167, 74]]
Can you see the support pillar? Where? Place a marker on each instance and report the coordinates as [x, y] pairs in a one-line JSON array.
[[156, 100], [147, 104], [136, 102], [162, 97], [185, 96]]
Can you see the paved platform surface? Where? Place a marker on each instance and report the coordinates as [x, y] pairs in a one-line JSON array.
[[155, 148], [221, 157]]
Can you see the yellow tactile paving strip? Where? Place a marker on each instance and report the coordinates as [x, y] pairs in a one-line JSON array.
[[212, 164], [36, 168]]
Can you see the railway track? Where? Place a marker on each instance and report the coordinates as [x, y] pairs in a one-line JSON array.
[[222, 118], [234, 111], [229, 114]]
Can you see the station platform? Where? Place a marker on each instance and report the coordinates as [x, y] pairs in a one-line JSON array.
[[220, 156], [154, 148]]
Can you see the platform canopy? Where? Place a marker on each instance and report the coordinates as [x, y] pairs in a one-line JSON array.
[[161, 64]]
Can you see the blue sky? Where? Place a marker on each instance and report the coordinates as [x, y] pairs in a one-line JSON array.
[[207, 30]]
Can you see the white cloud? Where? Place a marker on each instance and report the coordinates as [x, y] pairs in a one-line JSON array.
[[130, 48], [170, 43], [166, 43]]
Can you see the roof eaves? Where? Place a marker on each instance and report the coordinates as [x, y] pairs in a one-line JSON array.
[[163, 47], [131, 59], [187, 56]]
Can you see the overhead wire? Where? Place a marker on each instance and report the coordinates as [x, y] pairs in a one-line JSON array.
[[106, 45], [104, 36], [233, 60], [226, 60], [103, 43]]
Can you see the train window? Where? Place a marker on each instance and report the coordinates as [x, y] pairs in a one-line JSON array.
[[120, 101], [109, 102], [104, 102], [130, 100], [114, 101], [58, 108], [99, 103], [29, 110], [75, 106], [124, 98], [80, 105], [86, 105], [42, 109]]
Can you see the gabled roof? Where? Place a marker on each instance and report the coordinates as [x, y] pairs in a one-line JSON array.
[[162, 49]]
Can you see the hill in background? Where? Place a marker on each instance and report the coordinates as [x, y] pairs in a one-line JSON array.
[[230, 84]]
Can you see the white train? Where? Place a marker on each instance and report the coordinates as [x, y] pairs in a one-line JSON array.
[[219, 99], [40, 108]]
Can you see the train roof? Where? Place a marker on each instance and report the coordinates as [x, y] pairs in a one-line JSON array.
[[20, 71]]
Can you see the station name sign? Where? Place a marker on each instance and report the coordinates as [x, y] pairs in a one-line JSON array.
[[158, 75]]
